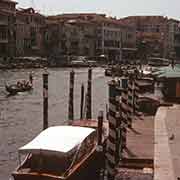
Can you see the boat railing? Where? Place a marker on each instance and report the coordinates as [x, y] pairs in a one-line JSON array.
[[73, 161], [83, 150]]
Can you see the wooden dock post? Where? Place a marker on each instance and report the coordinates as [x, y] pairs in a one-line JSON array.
[[45, 100], [71, 96], [118, 137], [89, 95], [82, 102], [100, 127], [111, 145], [31, 78], [101, 147], [107, 112], [136, 97], [124, 122], [130, 102]]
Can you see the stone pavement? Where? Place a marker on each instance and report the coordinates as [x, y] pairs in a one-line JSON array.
[[167, 143], [173, 129], [140, 139], [138, 162], [156, 138]]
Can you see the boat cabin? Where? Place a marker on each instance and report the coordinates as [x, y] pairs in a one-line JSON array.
[[59, 152]]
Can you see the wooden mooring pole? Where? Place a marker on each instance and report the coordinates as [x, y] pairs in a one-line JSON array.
[[71, 96], [45, 100], [101, 146], [89, 95], [124, 121], [118, 138], [82, 102], [130, 102], [100, 127], [136, 97], [112, 138]]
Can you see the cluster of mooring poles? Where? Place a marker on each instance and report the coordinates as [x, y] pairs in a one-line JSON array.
[[123, 108], [86, 101]]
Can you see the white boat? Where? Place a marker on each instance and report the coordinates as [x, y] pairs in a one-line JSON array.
[[60, 152]]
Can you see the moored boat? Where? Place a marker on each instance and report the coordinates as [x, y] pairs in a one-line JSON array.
[[60, 152]]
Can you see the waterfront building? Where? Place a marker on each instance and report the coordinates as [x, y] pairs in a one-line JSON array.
[[109, 38], [52, 36], [91, 34], [152, 32], [129, 49], [7, 28], [76, 34], [174, 38], [29, 32]]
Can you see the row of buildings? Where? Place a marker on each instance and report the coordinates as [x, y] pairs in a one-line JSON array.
[[160, 35], [88, 35], [20, 30], [25, 32]]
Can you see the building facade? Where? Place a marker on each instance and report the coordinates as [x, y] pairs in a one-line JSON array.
[[174, 38], [109, 38], [7, 28], [152, 32], [91, 35], [75, 34], [29, 32], [25, 32]]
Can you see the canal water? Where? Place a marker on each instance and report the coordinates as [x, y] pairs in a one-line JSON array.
[[21, 115]]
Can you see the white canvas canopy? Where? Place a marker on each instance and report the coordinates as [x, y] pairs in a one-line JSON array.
[[57, 139]]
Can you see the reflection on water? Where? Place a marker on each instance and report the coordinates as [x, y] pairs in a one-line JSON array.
[[21, 115]]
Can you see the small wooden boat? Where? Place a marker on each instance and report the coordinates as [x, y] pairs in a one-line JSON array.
[[61, 152], [14, 88]]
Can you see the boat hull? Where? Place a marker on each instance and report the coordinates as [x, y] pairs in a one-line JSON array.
[[87, 169], [14, 89]]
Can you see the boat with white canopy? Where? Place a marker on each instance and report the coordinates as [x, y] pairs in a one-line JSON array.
[[59, 152]]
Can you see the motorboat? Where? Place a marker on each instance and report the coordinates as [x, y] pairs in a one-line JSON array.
[[60, 152]]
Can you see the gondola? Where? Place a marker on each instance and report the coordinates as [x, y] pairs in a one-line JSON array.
[[14, 88], [20, 86]]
